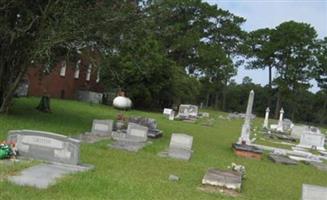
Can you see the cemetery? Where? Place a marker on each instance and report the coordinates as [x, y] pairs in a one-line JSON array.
[[185, 154], [163, 100]]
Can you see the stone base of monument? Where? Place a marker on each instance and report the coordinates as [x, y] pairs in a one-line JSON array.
[[44, 175], [228, 182], [247, 151], [282, 159]]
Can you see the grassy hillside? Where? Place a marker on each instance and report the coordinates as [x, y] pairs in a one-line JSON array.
[[144, 175]]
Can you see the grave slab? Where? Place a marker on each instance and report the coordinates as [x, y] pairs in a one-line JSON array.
[[60, 152], [282, 159], [223, 179], [44, 175], [313, 192]]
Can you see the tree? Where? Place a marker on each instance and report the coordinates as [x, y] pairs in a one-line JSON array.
[[289, 49], [320, 75], [293, 45], [35, 32]]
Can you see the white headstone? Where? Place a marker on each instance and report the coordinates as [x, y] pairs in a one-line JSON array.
[[102, 127], [265, 123], [180, 146], [245, 134], [172, 115], [167, 111], [188, 110], [312, 140], [138, 131], [280, 121]]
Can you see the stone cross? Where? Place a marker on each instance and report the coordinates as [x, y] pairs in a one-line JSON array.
[[265, 123], [245, 134], [280, 121]]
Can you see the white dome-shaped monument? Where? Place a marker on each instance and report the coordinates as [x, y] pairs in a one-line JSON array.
[[122, 102]]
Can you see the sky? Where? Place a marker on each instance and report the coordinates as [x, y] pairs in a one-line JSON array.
[[270, 13]]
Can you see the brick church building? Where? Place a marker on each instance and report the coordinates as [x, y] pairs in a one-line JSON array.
[[65, 81]]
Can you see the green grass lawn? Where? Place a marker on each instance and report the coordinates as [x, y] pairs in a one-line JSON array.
[[144, 175]]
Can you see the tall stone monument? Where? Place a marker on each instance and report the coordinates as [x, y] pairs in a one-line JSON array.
[[265, 123], [280, 121], [245, 134]]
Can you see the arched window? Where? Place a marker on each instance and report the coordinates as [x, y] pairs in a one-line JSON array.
[[77, 68], [88, 73], [63, 69]]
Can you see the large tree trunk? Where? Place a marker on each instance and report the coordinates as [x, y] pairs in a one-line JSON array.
[[323, 112], [270, 92], [224, 98], [8, 91], [216, 100]]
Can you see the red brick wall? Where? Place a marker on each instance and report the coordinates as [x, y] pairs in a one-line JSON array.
[[54, 84]]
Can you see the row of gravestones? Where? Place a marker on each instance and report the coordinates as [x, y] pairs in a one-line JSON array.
[[62, 153]]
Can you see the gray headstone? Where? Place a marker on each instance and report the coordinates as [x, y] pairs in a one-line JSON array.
[[44, 175], [224, 179], [102, 127], [180, 146], [312, 140], [186, 110], [298, 130], [313, 192], [137, 131], [45, 146]]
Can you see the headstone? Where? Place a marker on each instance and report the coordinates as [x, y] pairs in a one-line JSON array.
[[287, 125], [245, 134], [102, 127], [312, 141], [153, 131], [298, 130], [180, 146], [137, 131], [224, 179], [314, 192], [61, 153], [280, 121], [133, 140], [173, 177], [265, 123], [172, 116], [188, 111], [46, 146], [167, 111]]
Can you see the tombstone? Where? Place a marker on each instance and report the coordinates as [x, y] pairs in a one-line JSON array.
[[280, 121], [188, 111], [133, 140], [46, 146], [172, 116], [61, 153], [266, 121], [167, 111], [298, 130], [312, 141], [245, 134], [287, 125], [180, 146], [313, 192], [101, 129], [153, 131], [230, 180]]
